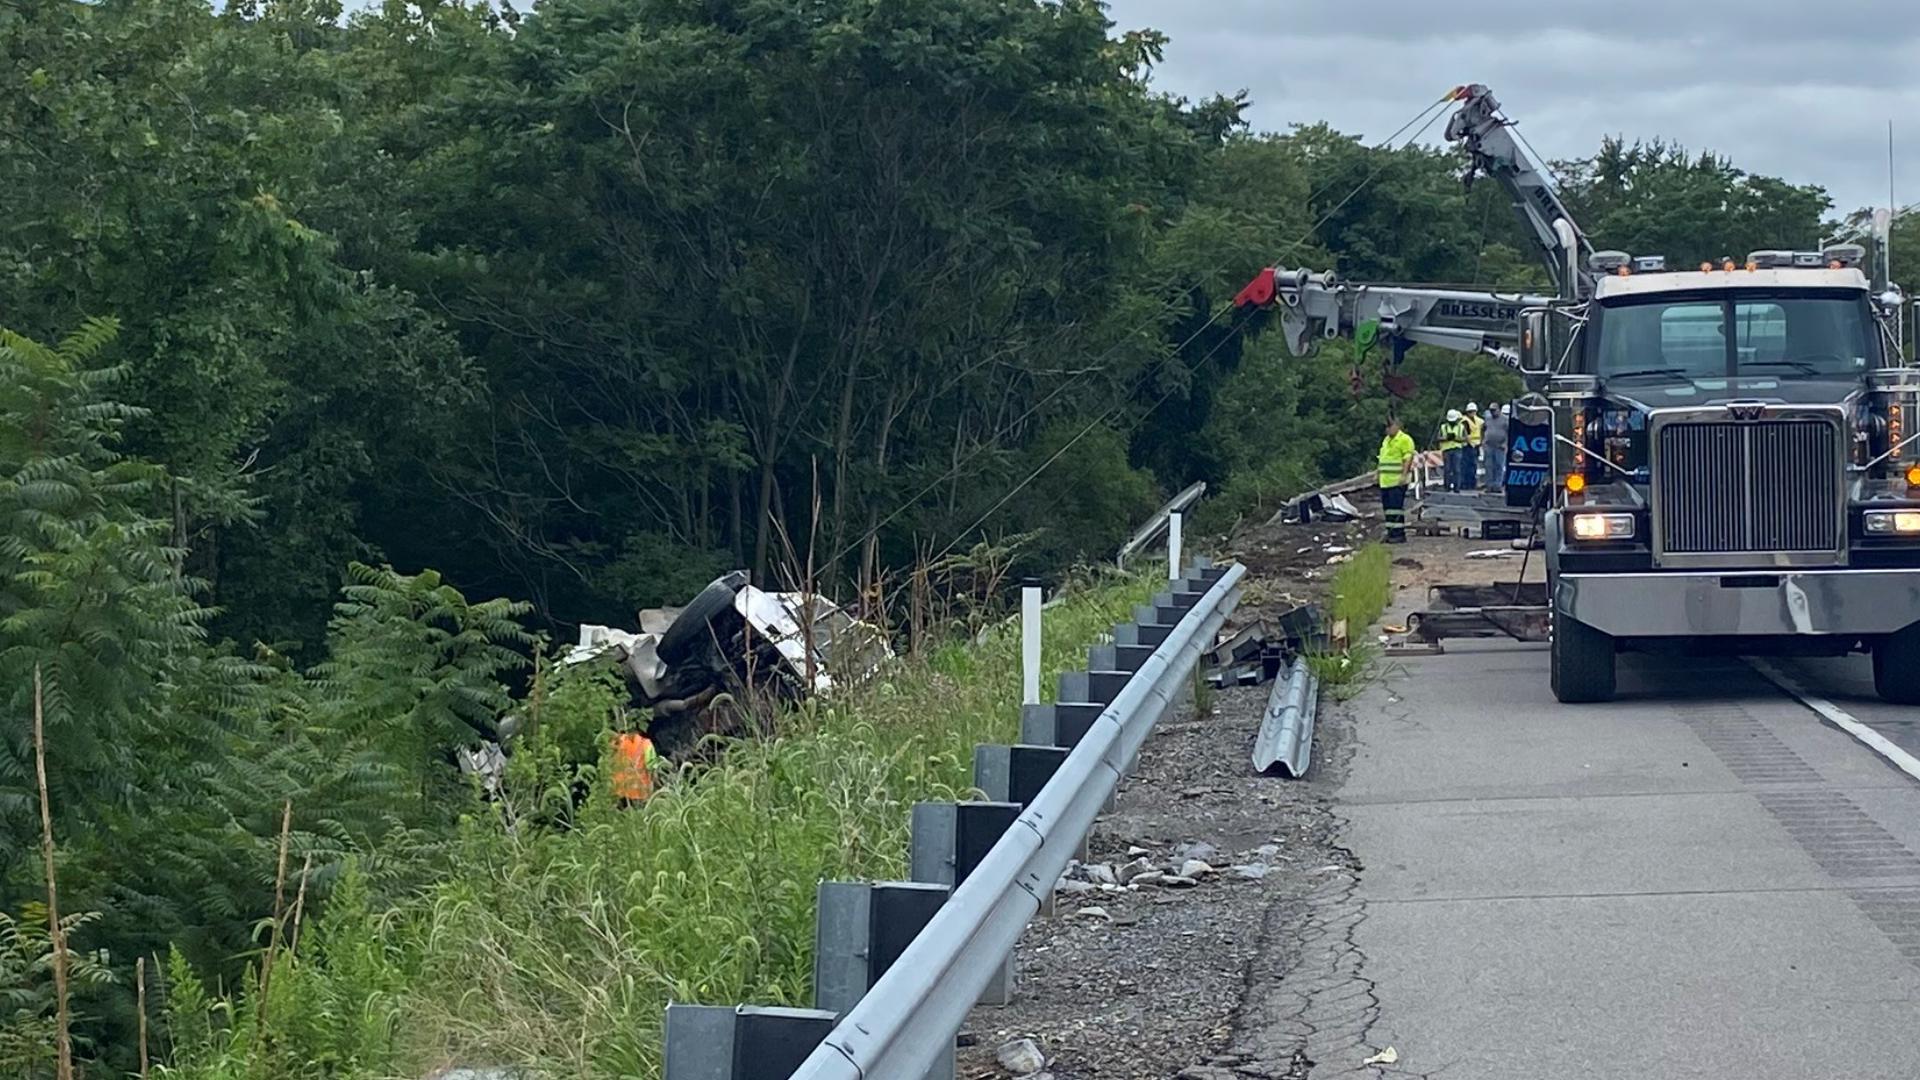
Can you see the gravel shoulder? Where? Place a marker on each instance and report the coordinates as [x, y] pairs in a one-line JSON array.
[[1148, 980], [1249, 972]]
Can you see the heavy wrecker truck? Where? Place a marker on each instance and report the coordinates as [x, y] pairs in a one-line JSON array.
[[1734, 458]]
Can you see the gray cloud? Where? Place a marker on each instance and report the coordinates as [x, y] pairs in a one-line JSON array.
[[1783, 87]]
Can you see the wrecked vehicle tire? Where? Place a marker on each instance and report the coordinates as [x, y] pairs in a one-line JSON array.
[[694, 631]]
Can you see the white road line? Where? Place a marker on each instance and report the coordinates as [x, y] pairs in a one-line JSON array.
[[1839, 717]]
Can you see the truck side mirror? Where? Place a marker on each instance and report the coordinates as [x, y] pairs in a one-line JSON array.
[[1536, 358]]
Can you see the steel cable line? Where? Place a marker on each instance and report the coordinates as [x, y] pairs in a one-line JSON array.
[[1083, 433], [988, 444], [1429, 114]]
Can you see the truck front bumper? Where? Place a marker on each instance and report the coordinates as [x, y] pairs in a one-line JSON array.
[[1745, 603]]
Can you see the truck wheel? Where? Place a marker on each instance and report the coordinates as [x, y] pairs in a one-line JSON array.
[[1896, 667], [1580, 661]]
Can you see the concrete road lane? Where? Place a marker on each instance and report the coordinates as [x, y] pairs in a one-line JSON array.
[[1700, 879], [1848, 683]]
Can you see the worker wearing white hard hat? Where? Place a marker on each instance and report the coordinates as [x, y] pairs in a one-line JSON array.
[[1476, 433], [1453, 448], [1493, 450]]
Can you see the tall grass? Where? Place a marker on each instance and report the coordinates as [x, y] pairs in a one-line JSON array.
[[1361, 589], [556, 950]]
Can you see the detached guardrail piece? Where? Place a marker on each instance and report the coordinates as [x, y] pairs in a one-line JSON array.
[[910, 1017], [745, 1042], [1286, 731], [1156, 525]]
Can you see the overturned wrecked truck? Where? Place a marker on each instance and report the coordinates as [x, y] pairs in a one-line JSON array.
[[685, 664]]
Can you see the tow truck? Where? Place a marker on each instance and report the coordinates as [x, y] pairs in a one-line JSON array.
[[1732, 461]]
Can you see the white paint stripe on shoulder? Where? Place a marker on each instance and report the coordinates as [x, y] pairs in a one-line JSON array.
[[1839, 717]]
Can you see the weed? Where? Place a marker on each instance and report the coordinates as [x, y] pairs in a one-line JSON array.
[[558, 936]]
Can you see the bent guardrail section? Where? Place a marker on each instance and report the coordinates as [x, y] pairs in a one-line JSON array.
[[1285, 739]]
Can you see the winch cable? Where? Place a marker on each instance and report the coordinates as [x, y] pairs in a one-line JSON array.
[[1430, 114], [1083, 433], [1008, 428], [1424, 118]]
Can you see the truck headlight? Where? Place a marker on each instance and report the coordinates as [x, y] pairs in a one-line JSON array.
[[1603, 526], [1892, 522]]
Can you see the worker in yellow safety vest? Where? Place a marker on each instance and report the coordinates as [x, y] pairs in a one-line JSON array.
[[630, 771], [1453, 446], [1476, 433], [1396, 460]]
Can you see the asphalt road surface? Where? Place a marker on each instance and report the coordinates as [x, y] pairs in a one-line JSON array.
[[1700, 879]]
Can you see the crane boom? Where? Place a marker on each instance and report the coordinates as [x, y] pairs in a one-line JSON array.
[[1320, 305], [1494, 150]]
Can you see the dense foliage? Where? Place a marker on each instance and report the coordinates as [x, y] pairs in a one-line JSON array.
[[320, 324]]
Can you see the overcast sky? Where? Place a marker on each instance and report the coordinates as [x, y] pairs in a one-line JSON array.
[[1801, 89]]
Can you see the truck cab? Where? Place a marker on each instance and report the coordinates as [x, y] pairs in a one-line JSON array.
[[1735, 466]]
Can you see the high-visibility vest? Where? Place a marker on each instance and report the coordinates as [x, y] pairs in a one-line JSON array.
[[631, 767], [1395, 452], [1475, 428], [1453, 434]]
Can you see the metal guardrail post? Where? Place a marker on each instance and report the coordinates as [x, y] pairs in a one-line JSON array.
[[902, 1025], [862, 929], [1016, 774], [948, 841], [745, 1042]]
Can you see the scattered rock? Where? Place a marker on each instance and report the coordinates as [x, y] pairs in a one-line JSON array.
[[1069, 886], [1196, 868], [1134, 869], [1147, 877], [1021, 1057], [1266, 851], [1099, 873], [1250, 871], [1178, 881], [1094, 912], [1196, 849], [1135, 851], [1206, 1072]]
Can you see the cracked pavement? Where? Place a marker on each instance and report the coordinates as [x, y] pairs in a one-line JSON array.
[[1700, 879]]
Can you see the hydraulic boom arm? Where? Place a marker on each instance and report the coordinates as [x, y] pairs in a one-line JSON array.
[[1315, 306], [1497, 152]]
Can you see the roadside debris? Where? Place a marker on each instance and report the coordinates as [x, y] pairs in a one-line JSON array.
[[1491, 553], [1384, 1057], [684, 661], [1021, 1057]]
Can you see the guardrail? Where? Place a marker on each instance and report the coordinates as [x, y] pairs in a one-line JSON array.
[[1157, 525], [891, 1010], [1285, 738]]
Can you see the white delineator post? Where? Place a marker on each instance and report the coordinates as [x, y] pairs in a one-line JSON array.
[[1173, 546], [1030, 642]]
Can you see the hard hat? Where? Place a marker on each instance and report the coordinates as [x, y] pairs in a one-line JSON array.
[[1473, 406], [1453, 414]]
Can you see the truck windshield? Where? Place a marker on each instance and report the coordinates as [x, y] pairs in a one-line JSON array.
[[1804, 334]]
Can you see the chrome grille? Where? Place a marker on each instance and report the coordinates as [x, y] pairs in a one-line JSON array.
[[1763, 486]]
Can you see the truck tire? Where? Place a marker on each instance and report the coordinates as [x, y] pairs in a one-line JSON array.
[[1896, 667], [1580, 662], [694, 629]]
